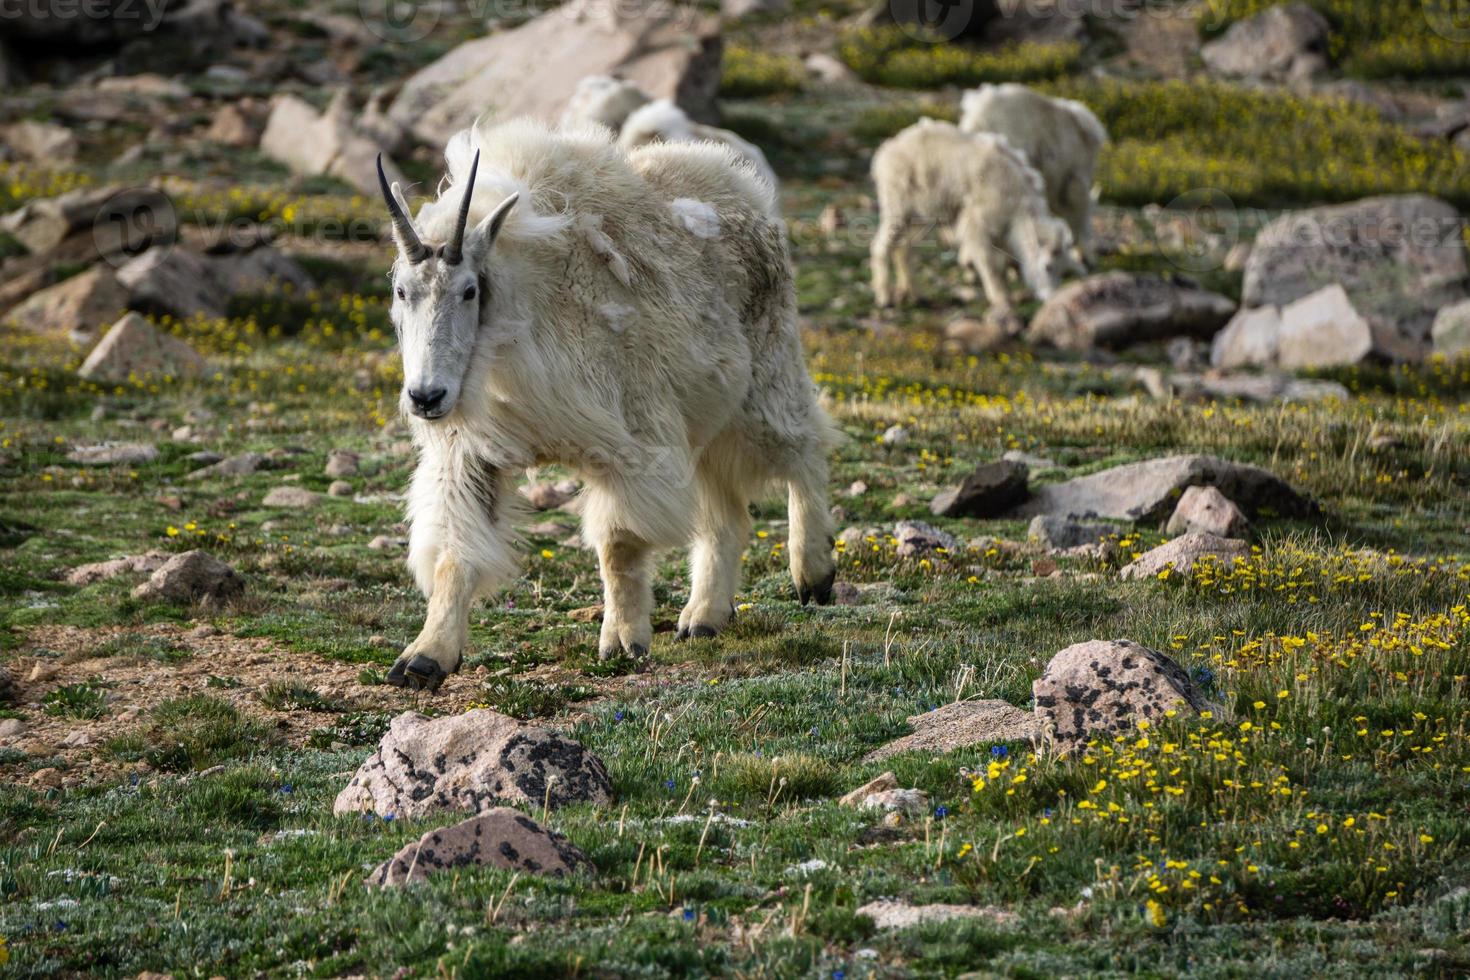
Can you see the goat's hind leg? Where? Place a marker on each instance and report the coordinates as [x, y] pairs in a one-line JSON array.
[[627, 591], [714, 562], [813, 568]]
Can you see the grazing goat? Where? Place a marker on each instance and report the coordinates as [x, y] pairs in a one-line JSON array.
[[603, 100], [1059, 137], [977, 185], [662, 121], [634, 318]]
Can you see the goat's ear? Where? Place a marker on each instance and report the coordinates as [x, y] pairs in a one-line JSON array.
[[485, 233]]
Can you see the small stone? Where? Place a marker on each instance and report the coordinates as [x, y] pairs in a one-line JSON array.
[[915, 539], [548, 496], [385, 543], [191, 576], [500, 838], [242, 465], [884, 793], [846, 594], [342, 463], [11, 727], [102, 570], [895, 435], [114, 454], [1183, 553], [133, 346], [1208, 511], [339, 488], [291, 498], [587, 614], [857, 489]]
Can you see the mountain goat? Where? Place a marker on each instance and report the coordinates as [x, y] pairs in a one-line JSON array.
[[977, 185], [1059, 137], [662, 121], [604, 100], [632, 316]]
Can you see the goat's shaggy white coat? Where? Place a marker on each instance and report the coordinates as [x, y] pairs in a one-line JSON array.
[[637, 323], [1060, 138], [604, 100], [663, 121], [982, 189]]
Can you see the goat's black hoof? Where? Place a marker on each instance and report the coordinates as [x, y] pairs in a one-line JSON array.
[[702, 632], [820, 593], [682, 635], [419, 674]]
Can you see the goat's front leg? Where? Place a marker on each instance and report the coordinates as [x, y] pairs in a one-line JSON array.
[[440, 646], [460, 545]]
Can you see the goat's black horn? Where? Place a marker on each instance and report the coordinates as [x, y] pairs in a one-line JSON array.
[[455, 251], [408, 239]]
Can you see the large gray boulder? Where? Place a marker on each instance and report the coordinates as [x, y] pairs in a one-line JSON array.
[[1104, 686], [1451, 330], [78, 307], [1398, 259], [499, 838], [1118, 309], [1285, 42], [470, 762], [133, 346], [121, 220], [1149, 491], [989, 491], [176, 282], [670, 51], [331, 142], [1322, 329]]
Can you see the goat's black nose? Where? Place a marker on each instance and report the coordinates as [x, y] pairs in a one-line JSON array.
[[426, 401]]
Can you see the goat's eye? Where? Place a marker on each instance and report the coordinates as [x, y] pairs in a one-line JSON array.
[[400, 293], [469, 293]]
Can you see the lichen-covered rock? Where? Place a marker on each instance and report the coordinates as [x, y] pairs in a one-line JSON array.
[[1208, 511], [1183, 552], [889, 914], [1065, 533], [114, 454], [1108, 686], [499, 838], [470, 762], [291, 498], [1118, 309], [960, 725], [190, 576]]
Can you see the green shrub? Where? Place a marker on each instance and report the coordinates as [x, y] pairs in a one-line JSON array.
[[82, 701], [194, 732], [748, 74], [893, 57]]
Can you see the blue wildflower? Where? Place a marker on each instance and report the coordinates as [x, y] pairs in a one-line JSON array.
[[999, 751], [941, 812], [669, 785]]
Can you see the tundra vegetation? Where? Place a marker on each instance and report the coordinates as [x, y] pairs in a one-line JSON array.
[[1314, 823]]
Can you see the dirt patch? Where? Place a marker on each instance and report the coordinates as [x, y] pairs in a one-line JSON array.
[[200, 660]]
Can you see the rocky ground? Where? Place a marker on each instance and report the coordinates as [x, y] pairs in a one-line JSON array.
[[1150, 647]]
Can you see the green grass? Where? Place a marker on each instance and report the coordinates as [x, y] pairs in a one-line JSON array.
[[1320, 832]]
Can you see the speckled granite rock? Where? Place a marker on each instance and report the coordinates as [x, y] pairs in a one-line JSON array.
[[501, 838], [1108, 686], [469, 762]]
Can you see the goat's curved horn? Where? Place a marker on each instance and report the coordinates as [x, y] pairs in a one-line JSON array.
[[408, 239], [455, 250]]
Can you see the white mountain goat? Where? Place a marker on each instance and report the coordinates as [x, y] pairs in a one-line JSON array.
[[604, 100], [662, 121], [634, 318], [1059, 137], [978, 186]]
